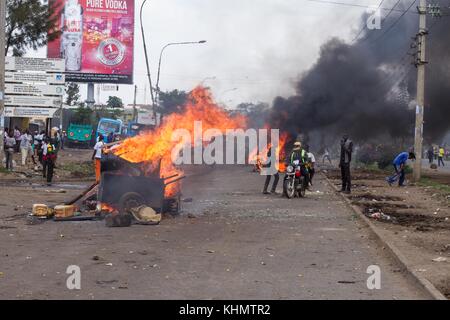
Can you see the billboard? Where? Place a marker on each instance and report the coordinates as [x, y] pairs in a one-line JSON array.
[[96, 41]]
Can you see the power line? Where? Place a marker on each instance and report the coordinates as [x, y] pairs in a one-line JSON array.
[[395, 22], [355, 5], [364, 25]]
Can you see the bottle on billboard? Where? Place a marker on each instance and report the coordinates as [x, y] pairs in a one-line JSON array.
[[72, 36]]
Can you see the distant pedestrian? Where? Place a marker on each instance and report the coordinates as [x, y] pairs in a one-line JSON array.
[[17, 137], [399, 167], [326, 155], [344, 163], [430, 155], [97, 157], [311, 165], [49, 158], [25, 146], [441, 156], [9, 146]]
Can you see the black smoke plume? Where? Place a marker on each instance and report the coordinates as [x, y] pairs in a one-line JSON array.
[[367, 88]]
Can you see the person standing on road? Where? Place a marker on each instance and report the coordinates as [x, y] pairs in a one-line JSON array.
[[430, 155], [441, 156], [9, 145], [399, 167], [17, 137], [49, 158], [344, 163], [97, 157], [25, 146], [326, 155], [269, 177], [311, 165]]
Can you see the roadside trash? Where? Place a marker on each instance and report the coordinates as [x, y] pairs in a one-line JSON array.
[[379, 216], [146, 215], [40, 210], [210, 251], [440, 259], [109, 264], [56, 191], [64, 211], [188, 200]]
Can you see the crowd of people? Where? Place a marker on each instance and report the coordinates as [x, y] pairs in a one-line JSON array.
[[34, 148], [437, 153]]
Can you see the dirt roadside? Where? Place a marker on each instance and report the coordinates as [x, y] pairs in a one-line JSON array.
[[417, 219]]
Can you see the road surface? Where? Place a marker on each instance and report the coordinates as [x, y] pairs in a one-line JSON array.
[[231, 242]]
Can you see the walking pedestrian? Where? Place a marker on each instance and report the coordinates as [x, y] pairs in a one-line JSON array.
[[430, 155], [9, 146], [344, 163], [17, 137], [25, 146], [97, 157], [326, 155], [441, 156], [49, 158]]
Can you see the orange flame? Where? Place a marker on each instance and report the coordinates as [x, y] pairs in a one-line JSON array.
[[156, 146], [260, 156]]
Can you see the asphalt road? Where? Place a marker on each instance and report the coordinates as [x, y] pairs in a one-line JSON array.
[[231, 242]]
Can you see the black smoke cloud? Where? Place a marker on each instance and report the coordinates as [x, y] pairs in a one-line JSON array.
[[367, 89]]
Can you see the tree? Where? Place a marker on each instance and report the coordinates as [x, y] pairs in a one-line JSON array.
[[256, 113], [29, 24], [114, 102], [82, 115], [172, 101], [72, 93]]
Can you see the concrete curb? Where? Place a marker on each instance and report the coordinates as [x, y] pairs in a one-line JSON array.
[[423, 283]]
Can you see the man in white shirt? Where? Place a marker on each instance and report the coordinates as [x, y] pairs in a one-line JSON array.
[[312, 164], [97, 157]]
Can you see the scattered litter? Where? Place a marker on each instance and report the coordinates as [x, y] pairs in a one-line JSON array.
[[210, 251], [96, 258], [346, 282], [440, 259], [56, 191], [379, 215], [263, 263], [188, 200], [109, 264]]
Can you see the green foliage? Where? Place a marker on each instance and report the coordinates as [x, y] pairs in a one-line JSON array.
[[82, 115], [382, 155], [172, 101], [72, 94], [29, 24], [114, 102], [256, 113]]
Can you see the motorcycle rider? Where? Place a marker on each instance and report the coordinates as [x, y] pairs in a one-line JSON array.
[[300, 154]]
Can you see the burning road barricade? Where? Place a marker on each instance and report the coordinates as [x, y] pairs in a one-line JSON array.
[[139, 180]]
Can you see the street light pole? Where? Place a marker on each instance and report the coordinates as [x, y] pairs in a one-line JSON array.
[[2, 59], [146, 55], [160, 58]]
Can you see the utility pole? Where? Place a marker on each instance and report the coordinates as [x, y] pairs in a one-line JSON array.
[[2, 61], [420, 108], [134, 104]]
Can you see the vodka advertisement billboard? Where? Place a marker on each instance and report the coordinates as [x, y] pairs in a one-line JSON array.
[[96, 40]]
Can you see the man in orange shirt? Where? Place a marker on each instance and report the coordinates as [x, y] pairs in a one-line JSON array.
[[97, 157]]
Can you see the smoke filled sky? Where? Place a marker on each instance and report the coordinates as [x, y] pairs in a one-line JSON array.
[[259, 47]]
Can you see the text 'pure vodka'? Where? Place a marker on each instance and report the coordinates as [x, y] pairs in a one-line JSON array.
[[72, 36]]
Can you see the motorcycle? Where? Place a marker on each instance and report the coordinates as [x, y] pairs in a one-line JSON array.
[[294, 182]]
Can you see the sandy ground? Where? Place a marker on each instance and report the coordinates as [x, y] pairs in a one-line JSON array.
[[230, 242], [420, 224]]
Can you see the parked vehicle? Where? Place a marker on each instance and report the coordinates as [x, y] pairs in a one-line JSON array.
[[135, 129], [107, 126], [79, 135]]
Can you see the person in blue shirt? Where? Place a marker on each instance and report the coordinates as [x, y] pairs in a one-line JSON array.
[[399, 167]]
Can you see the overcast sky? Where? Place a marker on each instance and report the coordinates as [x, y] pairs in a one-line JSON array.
[[256, 46]]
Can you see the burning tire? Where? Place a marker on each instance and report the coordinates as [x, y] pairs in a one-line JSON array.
[[130, 200]]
